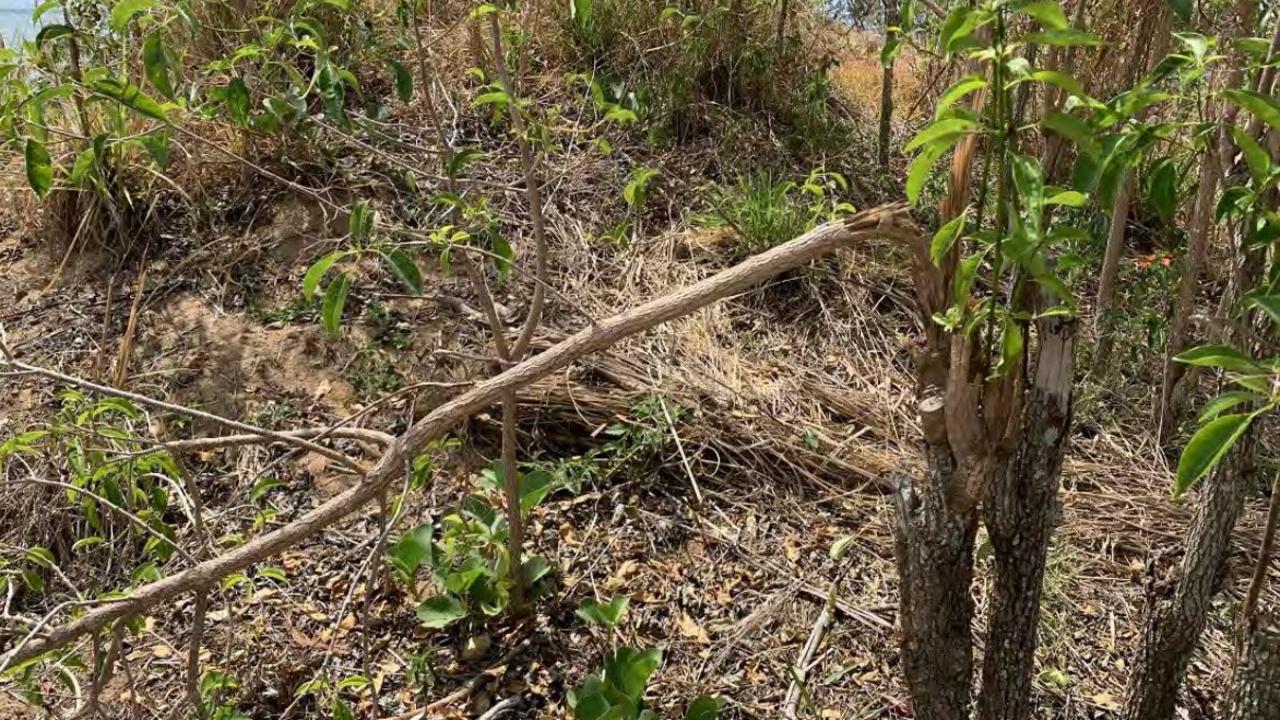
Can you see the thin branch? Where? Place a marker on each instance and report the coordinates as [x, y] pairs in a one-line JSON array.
[[283, 437], [533, 191]]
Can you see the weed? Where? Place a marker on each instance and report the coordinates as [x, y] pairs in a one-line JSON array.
[[466, 553], [372, 373], [766, 211]]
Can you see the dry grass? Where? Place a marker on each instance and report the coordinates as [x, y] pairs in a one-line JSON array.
[[799, 400]]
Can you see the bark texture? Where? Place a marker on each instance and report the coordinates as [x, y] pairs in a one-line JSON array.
[[933, 546], [1177, 610], [1255, 694], [1021, 512]]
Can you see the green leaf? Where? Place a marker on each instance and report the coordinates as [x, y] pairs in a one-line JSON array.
[[919, 170], [131, 96], [841, 547], [1225, 402], [49, 33], [87, 542], [156, 64], [958, 90], [1060, 80], [461, 160], [1221, 356], [39, 167], [237, 100], [440, 612], [1269, 304], [628, 670], [1049, 13], [360, 222], [1236, 200], [335, 296], [405, 269], [412, 550], [704, 707], [341, 710], [1255, 156], [959, 26], [966, 273], [1068, 198], [504, 255], [124, 11], [940, 130], [1010, 347], [404, 81], [496, 97], [1065, 38], [40, 555], [1075, 130], [263, 486], [945, 239], [620, 115], [1262, 107], [534, 487], [43, 8], [316, 272], [1207, 447], [271, 572], [1163, 191], [607, 614]]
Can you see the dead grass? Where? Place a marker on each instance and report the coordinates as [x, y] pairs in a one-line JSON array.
[[799, 399]]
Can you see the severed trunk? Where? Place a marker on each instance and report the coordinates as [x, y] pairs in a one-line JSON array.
[[933, 546], [1177, 610], [1255, 694], [1021, 512]]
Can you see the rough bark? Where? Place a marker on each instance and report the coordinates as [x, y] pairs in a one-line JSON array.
[[889, 221], [1255, 694], [1177, 609], [933, 546], [1021, 512]]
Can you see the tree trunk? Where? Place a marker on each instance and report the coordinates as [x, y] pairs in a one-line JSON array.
[[1162, 26], [933, 545], [1255, 694], [1177, 610], [1214, 161], [1020, 513], [886, 85], [1102, 322]]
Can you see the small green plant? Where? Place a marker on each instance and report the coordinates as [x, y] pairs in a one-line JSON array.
[[607, 614], [618, 692], [766, 211], [627, 450], [108, 461], [466, 553]]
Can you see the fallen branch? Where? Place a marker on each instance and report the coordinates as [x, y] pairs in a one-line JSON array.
[[890, 221]]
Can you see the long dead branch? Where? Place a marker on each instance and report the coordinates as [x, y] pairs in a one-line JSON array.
[[888, 221]]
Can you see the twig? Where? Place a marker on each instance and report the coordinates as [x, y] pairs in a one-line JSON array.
[[888, 221], [283, 437], [801, 668], [501, 707], [1244, 624]]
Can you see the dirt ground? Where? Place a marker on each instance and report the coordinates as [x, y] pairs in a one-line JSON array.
[[727, 563]]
